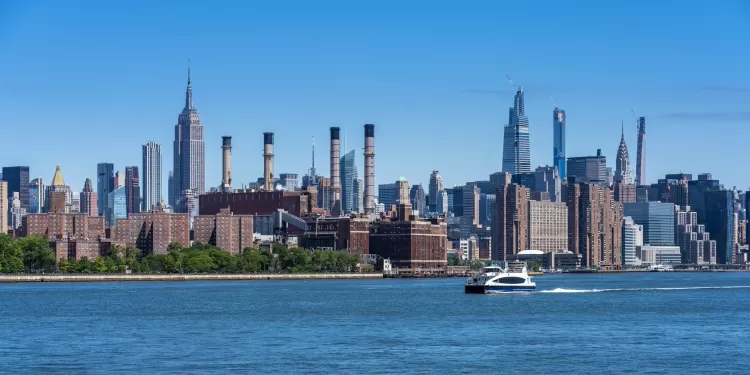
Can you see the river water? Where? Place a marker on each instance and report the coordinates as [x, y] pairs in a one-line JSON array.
[[659, 323]]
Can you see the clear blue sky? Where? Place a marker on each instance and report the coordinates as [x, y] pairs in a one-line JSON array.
[[83, 82]]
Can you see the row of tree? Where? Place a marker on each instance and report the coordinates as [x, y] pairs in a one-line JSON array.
[[33, 254]]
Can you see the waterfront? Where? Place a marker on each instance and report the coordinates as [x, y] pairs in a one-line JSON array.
[[588, 323]]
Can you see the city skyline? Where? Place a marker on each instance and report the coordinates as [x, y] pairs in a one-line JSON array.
[[474, 102]]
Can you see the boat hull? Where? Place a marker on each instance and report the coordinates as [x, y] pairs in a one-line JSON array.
[[481, 289]]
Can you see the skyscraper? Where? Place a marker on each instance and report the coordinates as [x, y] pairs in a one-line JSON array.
[[558, 143], [36, 196], [349, 176], [436, 186], [89, 199], [151, 175], [132, 190], [189, 153], [622, 161], [640, 161], [105, 184], [719, 214], [418, 202], [516, 147], [588, 169], [18, 181], [359, 190]]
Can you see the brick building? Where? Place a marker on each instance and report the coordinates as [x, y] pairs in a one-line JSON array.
[[337, 233], [411, 244], [224, 230], [61, 225], [255, 202], [152, 232]]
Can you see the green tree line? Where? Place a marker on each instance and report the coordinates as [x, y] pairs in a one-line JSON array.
[[33, 254]]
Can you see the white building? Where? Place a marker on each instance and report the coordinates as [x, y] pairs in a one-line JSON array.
[[632, 239], [659, 254]]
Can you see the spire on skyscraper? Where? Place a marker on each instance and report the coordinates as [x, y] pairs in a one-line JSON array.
[[189, 93], [622, 161]]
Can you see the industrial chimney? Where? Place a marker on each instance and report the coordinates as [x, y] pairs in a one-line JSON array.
[[268, 161], [226, 164], [335, 206], [369, 199]]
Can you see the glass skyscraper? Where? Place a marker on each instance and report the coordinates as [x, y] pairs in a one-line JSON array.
[[348, 181], [105, 183], [657, 219], [117, 206], [558, 145], [719, 213], [516, 146]]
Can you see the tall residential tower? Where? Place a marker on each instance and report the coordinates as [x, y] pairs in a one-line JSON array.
[[151, 176], [558, 145], [640, 160]]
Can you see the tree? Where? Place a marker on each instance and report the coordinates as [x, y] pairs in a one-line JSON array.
[[174, 246], [83, 265], [11, 256], [99, 265], [37, 254], [64, 265]]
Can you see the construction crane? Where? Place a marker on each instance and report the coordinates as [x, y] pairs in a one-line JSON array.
[[510, 81], [553, 102]]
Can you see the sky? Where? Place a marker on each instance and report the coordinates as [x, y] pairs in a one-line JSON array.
[[83, 82]]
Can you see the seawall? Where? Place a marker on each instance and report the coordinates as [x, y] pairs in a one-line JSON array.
[[183, 277]]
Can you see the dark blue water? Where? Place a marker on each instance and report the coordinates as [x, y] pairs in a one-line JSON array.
[[660, 323]]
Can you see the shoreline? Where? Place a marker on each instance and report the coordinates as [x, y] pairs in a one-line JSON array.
[[56, 278]]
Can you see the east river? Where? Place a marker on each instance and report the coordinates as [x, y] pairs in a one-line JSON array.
[[639, 323]]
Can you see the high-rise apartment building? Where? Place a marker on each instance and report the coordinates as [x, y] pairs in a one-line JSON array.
[[696, 245], [588, 169], [594, 225], [189, 153], [132, 190], [17, 213], [436, 186], [548, 226], [510, 222], [625, 193], [89, 199], [151, 176], [516, 145], [105, 184], [640, 162], [657, 219], [558, 145], [349, 174], [152, 232], [18, 181], [229, 232]]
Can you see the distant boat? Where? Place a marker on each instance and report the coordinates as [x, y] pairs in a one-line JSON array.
[[494, 279], [660, 268]]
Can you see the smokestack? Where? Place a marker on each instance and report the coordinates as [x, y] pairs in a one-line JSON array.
[[335, 172], [226, 164], [268, 161], [369, 199]]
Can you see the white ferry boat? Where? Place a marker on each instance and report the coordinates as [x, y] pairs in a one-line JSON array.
[[494, 279]]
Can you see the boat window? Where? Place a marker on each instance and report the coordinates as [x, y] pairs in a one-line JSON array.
[[511, 280]]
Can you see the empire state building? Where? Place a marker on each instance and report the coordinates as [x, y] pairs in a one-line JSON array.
[[189, 173]]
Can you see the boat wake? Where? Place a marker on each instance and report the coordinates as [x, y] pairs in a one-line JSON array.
[[564, 290]]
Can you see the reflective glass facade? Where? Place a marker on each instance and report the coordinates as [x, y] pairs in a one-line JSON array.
[[657, 219]]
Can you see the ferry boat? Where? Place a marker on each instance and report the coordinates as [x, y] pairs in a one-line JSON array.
[[494, 279]]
